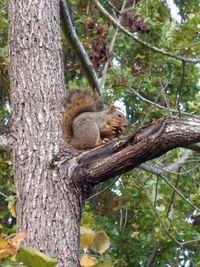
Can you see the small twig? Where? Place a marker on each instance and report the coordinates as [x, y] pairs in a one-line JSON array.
[[178, 163], [126, 217], [156, 190], [165, 96], [114, 8], [154, 103], [190, 241], [151, 259], [179, 193], [2, 194], [104, 72], [128, 9], [186, 47], [161, 222], [103, 190], [180, 92], [157, 170], [149, 111], [180, 244], [78, 48], [135, 38], [173, 196]]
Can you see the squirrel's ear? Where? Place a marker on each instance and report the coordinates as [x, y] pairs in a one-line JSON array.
[[112, 109]]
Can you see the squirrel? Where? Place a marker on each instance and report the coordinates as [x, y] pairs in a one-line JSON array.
[[87, 124]]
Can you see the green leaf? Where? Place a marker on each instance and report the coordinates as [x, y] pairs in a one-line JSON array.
[[101, 242], [33, 258]]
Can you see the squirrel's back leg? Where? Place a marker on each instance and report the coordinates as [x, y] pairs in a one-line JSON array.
[[86, 133]]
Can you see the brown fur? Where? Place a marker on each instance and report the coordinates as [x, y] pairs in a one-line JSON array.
[[78, 101]]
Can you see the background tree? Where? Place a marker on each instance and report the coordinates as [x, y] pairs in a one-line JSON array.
[[153, 207]]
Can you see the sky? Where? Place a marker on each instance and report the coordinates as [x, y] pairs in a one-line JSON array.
[[174, 10]]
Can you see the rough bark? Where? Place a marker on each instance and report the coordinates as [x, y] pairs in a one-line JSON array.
[[48, 206]]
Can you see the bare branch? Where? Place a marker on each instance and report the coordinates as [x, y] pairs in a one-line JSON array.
[[188, 46], [179, 162], [157, 171], [167, 169], [155, 104], [104, 189], [167, 231], [133, 36], [163, 91], [180, 93], [172, 200], [72, 37], [104, 72], [180, 194], [114, 8], [190, 241], [150, 260]]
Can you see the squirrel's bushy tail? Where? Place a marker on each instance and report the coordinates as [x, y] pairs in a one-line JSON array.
[[78, 101]]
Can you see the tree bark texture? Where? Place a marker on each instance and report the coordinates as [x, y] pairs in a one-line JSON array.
[[48, 206]]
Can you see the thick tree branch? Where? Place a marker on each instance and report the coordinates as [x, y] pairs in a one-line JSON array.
[[118, 157], [133, 36], [70, 33], [167, 169]]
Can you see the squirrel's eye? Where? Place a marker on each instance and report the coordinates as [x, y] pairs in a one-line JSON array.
[[119, 115]]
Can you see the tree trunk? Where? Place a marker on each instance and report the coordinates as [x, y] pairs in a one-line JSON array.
[[48, 206]]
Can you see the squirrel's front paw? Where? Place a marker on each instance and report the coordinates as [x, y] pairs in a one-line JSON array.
[[105, 140]]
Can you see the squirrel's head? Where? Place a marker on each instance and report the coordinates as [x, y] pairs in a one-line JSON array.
[[117, 119]]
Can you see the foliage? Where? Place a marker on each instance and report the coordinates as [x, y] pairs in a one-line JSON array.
[[142, 215], [4, 82], [26, 257], [32, 258]]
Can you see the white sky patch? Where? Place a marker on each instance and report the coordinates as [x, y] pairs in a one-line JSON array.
[[120, 105], [174, 11]]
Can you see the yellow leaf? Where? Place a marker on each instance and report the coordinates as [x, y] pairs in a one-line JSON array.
[[101, 242], [135, 234], [17, 239], [6, 249], [87, 237], [87, 261], [11, 245]]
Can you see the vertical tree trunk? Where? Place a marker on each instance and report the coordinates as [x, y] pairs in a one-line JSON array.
[[48, 206]]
